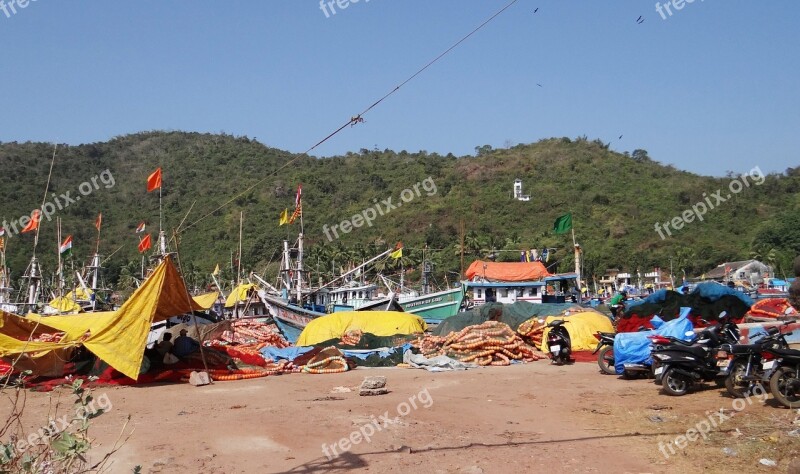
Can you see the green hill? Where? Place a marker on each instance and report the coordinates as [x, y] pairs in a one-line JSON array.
[[615, 199]]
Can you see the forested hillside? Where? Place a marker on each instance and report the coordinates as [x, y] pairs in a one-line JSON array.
[[616, 200]]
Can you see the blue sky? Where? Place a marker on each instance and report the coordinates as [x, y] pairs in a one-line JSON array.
[[712, 88]]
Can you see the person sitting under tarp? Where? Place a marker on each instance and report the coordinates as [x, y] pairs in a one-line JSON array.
[[184, 345], [165, 345]]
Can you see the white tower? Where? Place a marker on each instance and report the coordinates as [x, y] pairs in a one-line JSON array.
[[518, 191]]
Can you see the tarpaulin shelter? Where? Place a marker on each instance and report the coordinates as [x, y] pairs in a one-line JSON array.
[[117, 337], [581, 328], [379, 323], [507, 271], [240, 293], [206, 300], [512, 314]]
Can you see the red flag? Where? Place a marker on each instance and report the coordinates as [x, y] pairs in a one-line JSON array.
[[145, 244], [36, 216], [98, 222], [154, 180]]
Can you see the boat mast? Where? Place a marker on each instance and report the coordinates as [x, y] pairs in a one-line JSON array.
[[5, 278], [299, 205], [239, 260]]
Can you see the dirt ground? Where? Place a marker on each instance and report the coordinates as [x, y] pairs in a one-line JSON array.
[[526, 418]]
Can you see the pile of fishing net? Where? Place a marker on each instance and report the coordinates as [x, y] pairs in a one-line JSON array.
[[489, 343], [512, 314], [708, 300], [250, 332], [48, 337], [245, 339], [532, 331], [772, 308]]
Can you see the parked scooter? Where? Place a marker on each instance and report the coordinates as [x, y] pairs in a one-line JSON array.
[[784, 382], [682, 364], [605, 352], [744, 363], [559, 344]]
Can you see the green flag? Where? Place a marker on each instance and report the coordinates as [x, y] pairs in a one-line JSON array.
[[563, 224]]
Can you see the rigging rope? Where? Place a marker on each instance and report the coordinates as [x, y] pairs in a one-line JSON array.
[[355, 119]]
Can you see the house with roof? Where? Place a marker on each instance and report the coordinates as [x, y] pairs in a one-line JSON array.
[[746, 271]]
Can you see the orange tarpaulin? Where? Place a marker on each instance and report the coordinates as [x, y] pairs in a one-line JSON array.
[[507, 271]]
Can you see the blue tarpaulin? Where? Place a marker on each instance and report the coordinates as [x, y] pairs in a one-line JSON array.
[[634, 347]]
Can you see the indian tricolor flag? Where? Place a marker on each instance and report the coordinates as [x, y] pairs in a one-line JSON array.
[[140, 228], [66, 246]]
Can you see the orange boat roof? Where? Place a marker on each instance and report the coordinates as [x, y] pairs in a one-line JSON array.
[[507, 271]]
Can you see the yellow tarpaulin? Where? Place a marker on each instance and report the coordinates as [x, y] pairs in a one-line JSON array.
[[65, 305], [581, 328], [207, 300], [379, 323], [80, 294], [240, 293], [118, 337]]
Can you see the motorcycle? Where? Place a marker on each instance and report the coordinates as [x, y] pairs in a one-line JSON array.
[[784, 381], [605, 352], [744, 363], [559, 343], [681, 364]]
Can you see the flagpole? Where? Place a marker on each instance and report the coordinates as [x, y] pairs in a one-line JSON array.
[[159, 208], [60, 262]]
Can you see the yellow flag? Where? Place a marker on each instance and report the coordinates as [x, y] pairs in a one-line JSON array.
[[284, 217], [216, 270], [397, 253]]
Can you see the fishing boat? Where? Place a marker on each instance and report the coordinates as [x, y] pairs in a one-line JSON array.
[[296, 304], [432, 306], [509, 282]]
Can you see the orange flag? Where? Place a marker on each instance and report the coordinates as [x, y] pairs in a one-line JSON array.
[[145, 244], [98, 222], [154, 180], [34, 223]]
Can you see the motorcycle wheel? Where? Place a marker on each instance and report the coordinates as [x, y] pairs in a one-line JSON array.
[[675, 384], [605, 359], [732, 381], [785, 387]]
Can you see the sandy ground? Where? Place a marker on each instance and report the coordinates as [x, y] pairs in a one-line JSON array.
[[526, 418]]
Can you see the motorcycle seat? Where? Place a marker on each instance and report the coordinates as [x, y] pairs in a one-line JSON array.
[[792, 353], [697, 351], [738, 349]]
